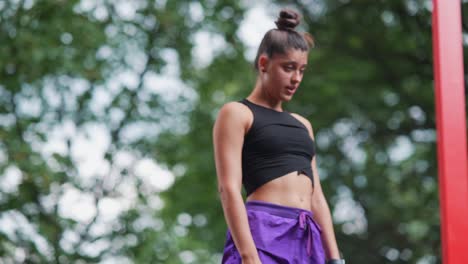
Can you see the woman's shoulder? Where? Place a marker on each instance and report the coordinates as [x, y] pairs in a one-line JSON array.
[[235, 111], [235, 108], [303, 120]]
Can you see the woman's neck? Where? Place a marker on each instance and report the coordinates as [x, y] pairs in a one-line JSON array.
[[260, 96]]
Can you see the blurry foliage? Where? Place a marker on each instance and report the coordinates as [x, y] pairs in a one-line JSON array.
[[61, 84], [367, 90]]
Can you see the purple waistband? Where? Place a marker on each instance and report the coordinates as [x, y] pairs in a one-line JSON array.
[[304, 217], [276, 209]]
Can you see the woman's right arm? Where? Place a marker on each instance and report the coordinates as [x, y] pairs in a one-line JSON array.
[[228, 138]]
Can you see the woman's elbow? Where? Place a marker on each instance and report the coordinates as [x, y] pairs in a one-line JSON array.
[[318, 201], [228, 191]]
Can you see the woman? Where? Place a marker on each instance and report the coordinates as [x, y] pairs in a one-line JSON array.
[[271, 152]]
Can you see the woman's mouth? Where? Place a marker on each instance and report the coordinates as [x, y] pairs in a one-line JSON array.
[[290, 89]]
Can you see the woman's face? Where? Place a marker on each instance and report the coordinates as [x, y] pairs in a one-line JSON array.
[[282, 74]]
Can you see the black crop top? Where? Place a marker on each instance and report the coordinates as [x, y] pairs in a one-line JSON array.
[[276, 144]]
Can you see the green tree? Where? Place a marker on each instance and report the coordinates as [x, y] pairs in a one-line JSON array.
[[80, 114]]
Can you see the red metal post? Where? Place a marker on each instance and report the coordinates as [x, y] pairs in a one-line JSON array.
[[451, 129]]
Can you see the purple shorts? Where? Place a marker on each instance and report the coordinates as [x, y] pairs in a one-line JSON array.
[[282, 234]]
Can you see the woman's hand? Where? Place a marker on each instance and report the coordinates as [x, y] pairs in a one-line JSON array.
[[251, 260]]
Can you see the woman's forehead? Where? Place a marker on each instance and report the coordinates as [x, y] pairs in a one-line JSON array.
[[293, 55]]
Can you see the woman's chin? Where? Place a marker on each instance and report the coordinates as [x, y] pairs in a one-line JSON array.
[[286, 97]]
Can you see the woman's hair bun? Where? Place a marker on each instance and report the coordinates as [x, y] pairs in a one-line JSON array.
[[288, 19]]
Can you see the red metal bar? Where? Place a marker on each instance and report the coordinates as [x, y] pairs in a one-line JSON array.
[[451, 129]]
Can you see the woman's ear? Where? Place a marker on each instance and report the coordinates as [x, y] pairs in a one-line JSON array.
[[263, 62]]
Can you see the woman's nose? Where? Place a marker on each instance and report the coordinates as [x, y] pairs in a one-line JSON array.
[[296, 76]]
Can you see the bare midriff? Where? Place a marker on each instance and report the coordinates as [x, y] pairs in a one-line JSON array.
[[292, 189]]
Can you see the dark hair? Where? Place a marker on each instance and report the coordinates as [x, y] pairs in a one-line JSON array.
[[284, 37]]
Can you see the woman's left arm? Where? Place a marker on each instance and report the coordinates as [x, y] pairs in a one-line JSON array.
[[320, 207], [323, 217]]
